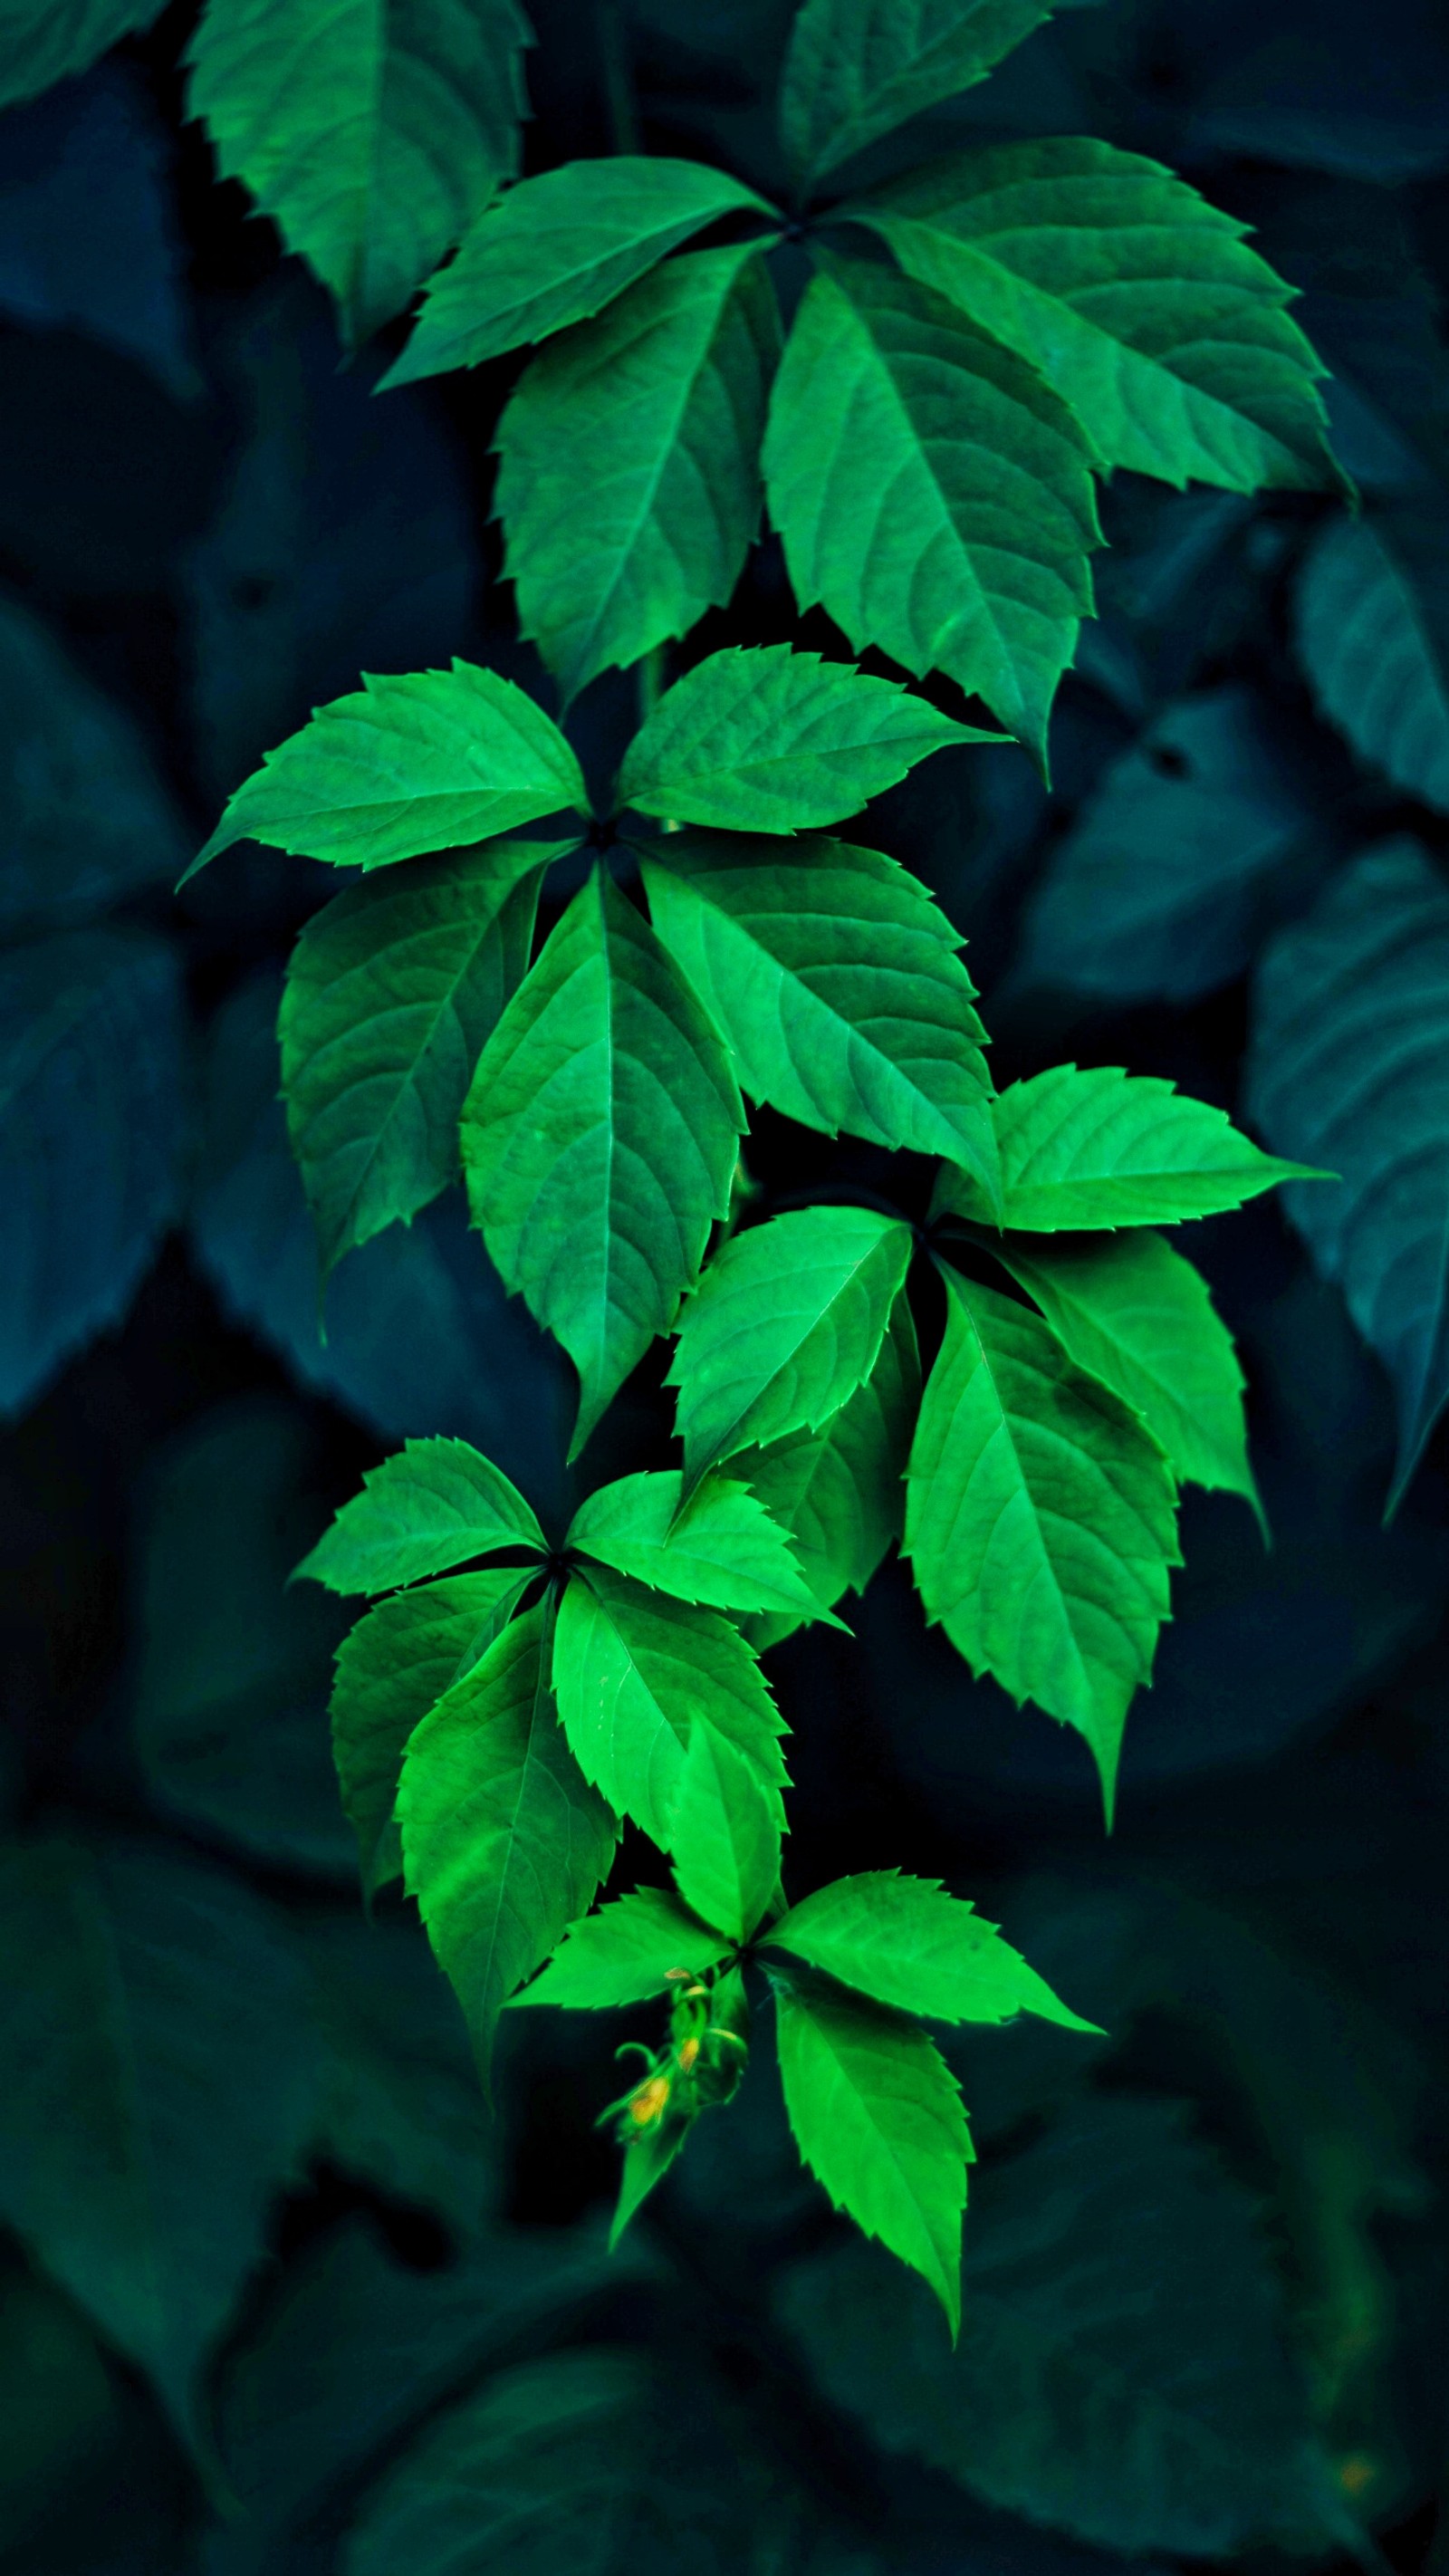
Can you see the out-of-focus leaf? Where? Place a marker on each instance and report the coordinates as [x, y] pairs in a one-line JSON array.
[[1373, 634], [43, 41], [93, 1114], [1303, 88]]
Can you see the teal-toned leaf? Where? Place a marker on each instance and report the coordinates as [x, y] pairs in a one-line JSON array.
[[841, 1490], [556, 250], [1105, 1148], [636, 1674], [44, 41], [426, 760], [599, 1139], [392, 1668], [856, 68], [391, 992], [1348, 1058], [504, 1841], [159, 2091], [786, 1323], [629, 480], [1373, 636], [877, 2117], [723, 1549], [931, 491], [760, 738], [726, 1835], [625, 1953], [431, 1506], [904, 1941], [1040, 1520], [372, 136], [1125, 2371], [1132, 1312], [836, 981], [1141, 304]]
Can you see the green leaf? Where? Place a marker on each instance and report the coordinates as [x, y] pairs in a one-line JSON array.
[[840, 1490], [904, 1941], [1142, 306], [647, 2160], [629, 480], [1133, 1313], [371, 135], [427, 760], [856, 68], [931, 491], [391, 991], [722, 1549], [599, 1139], [391, 1669], [877, 2117], [1106, 1148], [159, 2091], [432, 1505], [1348, 1059], [786, 1323], [726, 1835], [556, 250], [1373, 636], [836, 981], [636, 1675], [504, 1841], [1040, 1520], [625, 1953], [760, 738], [42, 42]]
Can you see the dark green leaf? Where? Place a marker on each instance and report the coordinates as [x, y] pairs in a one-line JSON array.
[[393, 1667], [841, 1490], [837, 983], [556, 250], [1039, 1520], [931, 491], [726, 1835], [373, 137], [426, 760], [629, 480], [391, 992], [856, 68], [1373, 636], [433, 1505], [504, 1841], [722, 1549], [877, 2117], [786, 1323], [1106, 1148], [904, 1941], [599, 1138], [44, 41], [625, 1953], [1141, 304]]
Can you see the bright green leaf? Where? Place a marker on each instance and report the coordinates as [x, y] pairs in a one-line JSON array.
[[931, 491], [629, 479], [760, 738], [836, 981], [556, 250], [856, 68], [841, 1490], [726, 1835], [636, 1674], [504, 1841], [45, 41], [599, 1139], [904, 1941], [392, 1668], [1132, 1312], [877, 2117], [1106, 1148], [391, 991], [373, 135], [1373, 637], [625, 1953], [1040, 1520], [427, 760], [786, 1323], [723, 1549], [1139, 302], [432, 1505]]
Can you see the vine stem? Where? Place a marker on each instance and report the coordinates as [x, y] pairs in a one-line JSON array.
[[618, 78]]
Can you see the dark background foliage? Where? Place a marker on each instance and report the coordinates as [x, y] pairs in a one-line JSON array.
[[207, 526]]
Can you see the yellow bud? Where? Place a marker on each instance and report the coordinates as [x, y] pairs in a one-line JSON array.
[[646, 2107], [689, 2051]]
